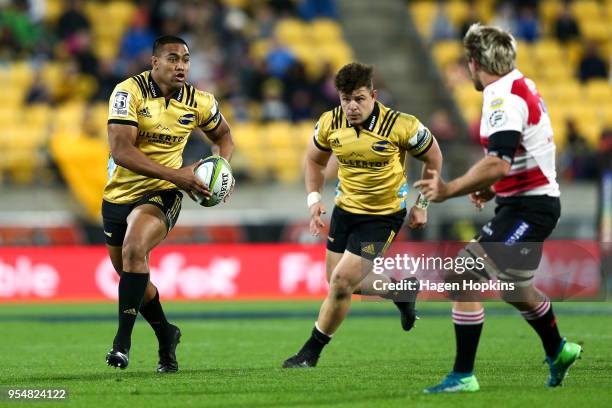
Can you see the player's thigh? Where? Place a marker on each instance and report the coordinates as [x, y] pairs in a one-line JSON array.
[[331, 261], [147, 227], [349, 272], [152, 218]]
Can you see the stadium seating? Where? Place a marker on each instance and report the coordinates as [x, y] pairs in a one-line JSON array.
[[265, 151], [551, 64]]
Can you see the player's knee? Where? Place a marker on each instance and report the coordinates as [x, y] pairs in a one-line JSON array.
[[340, 287], [133, 252], [521, 297]]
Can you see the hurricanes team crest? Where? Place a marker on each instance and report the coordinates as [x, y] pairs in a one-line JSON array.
[[186, 119], [382, 146]]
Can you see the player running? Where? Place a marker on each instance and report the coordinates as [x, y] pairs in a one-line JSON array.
[[370, 142], [519, 168], [151, 116]]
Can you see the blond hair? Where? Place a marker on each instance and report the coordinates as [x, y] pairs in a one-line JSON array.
[[492, 48]]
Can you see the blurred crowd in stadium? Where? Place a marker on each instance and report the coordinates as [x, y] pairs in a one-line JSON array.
[[271, 65], [272, 62], [265, 61], [565, 46]]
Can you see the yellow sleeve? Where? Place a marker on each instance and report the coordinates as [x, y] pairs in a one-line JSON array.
[[123, 103], [414, 136], [321, 132], [209, 116]]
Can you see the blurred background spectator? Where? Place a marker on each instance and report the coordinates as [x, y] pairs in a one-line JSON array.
[[566, 25], [592, 64], [271, 65]]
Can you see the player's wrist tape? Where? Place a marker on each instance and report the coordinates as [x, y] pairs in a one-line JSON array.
[[313, 198], [422, 202]]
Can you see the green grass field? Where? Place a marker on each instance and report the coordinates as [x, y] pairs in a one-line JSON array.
[[231, 353]]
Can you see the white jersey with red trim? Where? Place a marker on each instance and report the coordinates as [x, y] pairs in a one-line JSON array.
[[512, 103]]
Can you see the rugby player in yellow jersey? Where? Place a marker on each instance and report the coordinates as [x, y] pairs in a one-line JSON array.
[[151, 116], [370, 142]]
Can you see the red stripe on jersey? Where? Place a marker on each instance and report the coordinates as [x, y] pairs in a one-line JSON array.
[[484, 141], [523, 181], [520, 89]]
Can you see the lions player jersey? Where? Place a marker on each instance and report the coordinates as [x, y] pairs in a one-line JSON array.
[[163, 129], [371, 158], [513, 103]]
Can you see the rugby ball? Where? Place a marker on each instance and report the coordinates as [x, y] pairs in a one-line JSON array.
[[216, 174]]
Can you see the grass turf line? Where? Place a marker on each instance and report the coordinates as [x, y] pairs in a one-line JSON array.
[[234, 363]]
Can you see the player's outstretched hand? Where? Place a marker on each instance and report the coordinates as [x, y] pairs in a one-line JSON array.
[[316, 210], [417, 218], [433, 188], [479, 198], [186, 180]]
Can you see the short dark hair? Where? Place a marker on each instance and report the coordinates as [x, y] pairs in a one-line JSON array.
[[353, 76], [166, 39]]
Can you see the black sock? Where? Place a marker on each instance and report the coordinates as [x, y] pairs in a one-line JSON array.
[[132, 288], [468, 326], [154, 314], [315, 343], [543, 321]]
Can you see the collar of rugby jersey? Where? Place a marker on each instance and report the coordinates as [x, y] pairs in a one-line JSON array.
[[370, 122], [157, 93]]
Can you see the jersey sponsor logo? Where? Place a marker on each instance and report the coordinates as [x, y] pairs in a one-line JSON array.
[[120, 104], [382, 146], [497, 118], [363, 164], [145, 112], [186, 119], [496, 103], [167, 140], [519, 232]]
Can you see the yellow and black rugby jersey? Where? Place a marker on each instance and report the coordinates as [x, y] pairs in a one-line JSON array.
[[163, 129], [371, 158]]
